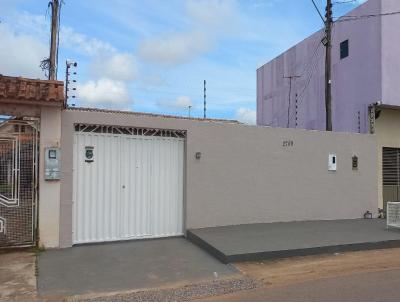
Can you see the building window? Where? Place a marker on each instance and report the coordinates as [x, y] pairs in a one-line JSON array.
[[344, 49]]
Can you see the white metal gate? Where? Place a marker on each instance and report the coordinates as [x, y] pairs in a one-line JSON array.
[[19, 140], [128, 183]]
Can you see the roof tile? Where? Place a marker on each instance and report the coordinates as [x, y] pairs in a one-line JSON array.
[[24, 89]]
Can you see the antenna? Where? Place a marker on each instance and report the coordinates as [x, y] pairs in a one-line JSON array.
[[205, 99]]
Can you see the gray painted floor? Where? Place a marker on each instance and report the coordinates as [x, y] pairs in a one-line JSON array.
[[286, 236], [125, 266]]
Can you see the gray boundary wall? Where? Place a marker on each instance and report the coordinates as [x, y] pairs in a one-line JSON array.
[[246, 174]]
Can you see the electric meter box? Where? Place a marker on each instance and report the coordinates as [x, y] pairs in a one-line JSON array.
[[332, 162], [52, 164]]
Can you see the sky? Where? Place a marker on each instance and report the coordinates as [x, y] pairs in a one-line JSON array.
[[153, 55]]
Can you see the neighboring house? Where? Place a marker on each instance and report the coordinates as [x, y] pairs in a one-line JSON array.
[[386, 126], [365, 70]]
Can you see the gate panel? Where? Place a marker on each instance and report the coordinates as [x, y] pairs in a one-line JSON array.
[[18, 182], [96, 214], [136, 187], [133, 187], [167, 192]]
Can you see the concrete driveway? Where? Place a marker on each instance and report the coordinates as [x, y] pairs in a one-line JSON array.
[[126, 266]]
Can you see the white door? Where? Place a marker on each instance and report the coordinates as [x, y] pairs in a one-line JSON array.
[[131, 189]]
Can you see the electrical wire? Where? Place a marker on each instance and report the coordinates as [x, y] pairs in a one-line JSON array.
[[344, 2], [361, 17], [300, 97], [309, 64], [308, 69], [308, 81], [318, 11]]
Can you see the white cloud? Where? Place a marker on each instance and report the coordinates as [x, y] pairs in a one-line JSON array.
[[208, 21], [180, 103], [20, 54], [117, 66], [38, 26], [82, 43], [104, 92], [265, 3], [246, 115], [183, 102], [34, 25], [152, 80], [174, 49], [211, 13]]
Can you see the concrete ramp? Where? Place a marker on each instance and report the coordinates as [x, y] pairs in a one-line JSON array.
[[252, 242]]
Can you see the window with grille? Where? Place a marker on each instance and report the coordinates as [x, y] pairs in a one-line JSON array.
[[391, 166]]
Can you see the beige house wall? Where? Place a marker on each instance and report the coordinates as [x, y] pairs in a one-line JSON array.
[[247, 174], [49, 191], [387, 130]]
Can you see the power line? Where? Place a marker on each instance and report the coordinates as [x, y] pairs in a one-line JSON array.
[[309, 63], [300, 97], [309, 69], [327, 41], [318, 11], [302, 93], [344, 2], [290, 92], [355, 18], [310, 74]]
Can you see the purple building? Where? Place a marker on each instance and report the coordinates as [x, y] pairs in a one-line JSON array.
[[365, 70]]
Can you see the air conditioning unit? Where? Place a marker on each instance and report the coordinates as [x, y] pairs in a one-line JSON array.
[[393, 214]]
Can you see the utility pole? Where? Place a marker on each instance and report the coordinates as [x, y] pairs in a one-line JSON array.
[[55, 6], [290, 93], [328, 59], [205, 99]]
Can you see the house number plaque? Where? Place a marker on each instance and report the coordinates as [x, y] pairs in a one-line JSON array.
[[287, 143]]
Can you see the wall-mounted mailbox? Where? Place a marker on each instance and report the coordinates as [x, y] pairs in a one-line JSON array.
[[89, 154], [332, 162], [198, 155], [52, 164]]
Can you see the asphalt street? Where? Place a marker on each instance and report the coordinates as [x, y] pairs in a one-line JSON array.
[[382, 286]]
